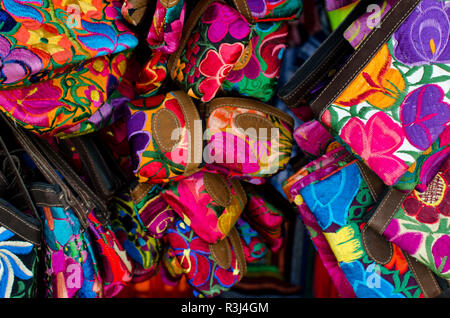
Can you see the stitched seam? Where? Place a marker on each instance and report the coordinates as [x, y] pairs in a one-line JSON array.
[[418, 279], [212, 194], [369, 184], [397, 207], [19, 219], [317, 72], [369, 251], [401, 20]]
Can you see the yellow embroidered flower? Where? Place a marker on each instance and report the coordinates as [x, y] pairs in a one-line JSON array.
[[346, 244]]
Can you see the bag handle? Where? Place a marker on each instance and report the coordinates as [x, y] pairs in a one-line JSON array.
[[30, 232], [81, 208]]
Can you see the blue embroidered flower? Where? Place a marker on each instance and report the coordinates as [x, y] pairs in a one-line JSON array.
[[330, 199], [11, 265], [367, 283]]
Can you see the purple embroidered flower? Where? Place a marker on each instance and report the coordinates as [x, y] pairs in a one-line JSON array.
[[138, 137], [441, 252], [424, 115], [424, 37], [223, 20], [16, 64]]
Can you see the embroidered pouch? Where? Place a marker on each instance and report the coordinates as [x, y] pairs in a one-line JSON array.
[[246, 139], [214, 38], [256, 73], [210, 269], [208, 202], [64, 105], [341, 203], [378, 103], [42, 39], [418, 222], [165, 137], [154, 212]]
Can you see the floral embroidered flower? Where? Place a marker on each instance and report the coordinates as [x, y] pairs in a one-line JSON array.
[[251, 68], [378, 83], [138, 137], [32, 104], [423, 38], [424, 115], [410, 241], [441, 252], [11, 265], [375, 142], [216, 66], [93, 94], [427, 206], [223, 20], [16, 64]]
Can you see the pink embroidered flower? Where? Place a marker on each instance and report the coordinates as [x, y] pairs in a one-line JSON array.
[[216, 66], [375, 142], [32, 104], [94, 96]]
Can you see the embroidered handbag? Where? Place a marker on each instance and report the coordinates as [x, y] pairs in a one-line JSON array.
[[60, 105], [418, 222], [214, 37], [165, 137], [377, 102], [246, 139], [41, 40], [210, 269], [341, 198], [208, 202]]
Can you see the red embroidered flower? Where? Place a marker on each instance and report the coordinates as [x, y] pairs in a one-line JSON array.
[[375, 142], [216, 66], [427, 206]]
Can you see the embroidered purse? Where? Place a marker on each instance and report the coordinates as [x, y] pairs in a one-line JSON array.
[[378, 103], [340, 197], [208, 202], [246, 139], [214, 38]]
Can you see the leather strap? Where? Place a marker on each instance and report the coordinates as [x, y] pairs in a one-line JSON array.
[[386, 210], [243, 8], [424, 277], [363, 54], [376, 186]]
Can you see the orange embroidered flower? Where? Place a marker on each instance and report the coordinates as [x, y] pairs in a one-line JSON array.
[[378, 83]]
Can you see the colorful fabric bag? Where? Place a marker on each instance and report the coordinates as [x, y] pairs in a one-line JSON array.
[[342, 200], [40, 40], [208, 202], [210, 269], [214, 38], [386, 113], [418, 222], [62, 103], [252, 243], [165, 137], [246, 139]]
